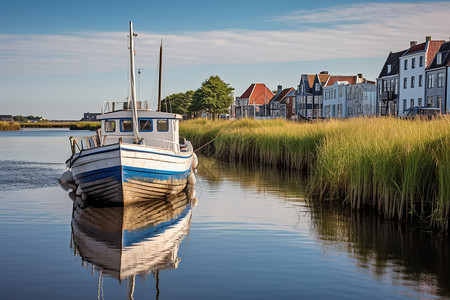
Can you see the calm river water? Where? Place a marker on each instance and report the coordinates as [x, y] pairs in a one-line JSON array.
[[252, 235]]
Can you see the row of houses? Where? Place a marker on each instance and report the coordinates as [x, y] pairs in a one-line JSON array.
[[417, 76]]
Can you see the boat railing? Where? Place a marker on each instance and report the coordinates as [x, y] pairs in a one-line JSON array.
[[111, 106], [82, 143]]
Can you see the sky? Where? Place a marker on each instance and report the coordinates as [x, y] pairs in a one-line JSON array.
[[60, 59]]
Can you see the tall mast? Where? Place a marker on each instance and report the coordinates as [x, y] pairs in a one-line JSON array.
[[159, 79], [137, 138]]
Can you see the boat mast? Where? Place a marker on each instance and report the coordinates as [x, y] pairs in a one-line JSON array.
[[159, 81], [137, 137]]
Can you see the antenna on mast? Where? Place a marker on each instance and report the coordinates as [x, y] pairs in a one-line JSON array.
[[159, 79]]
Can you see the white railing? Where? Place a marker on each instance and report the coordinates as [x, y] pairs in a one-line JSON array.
[[110, 106]]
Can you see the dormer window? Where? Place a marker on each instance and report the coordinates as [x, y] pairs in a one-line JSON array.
[[439, 58], [317, 87], [389, 68]]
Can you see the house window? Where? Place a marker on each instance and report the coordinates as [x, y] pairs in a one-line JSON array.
[[413, 63], [110, 126], [317, 87], [412, 81], [405, 82], [126, 125], [406, 64], [412, 103], [396, 86], [440, 79], [421, 61], [162, 125], [309, 99], [420, 80], [380, 87], [439, 58], [430, 81], [389, 69], [404, 104], [420, 101]]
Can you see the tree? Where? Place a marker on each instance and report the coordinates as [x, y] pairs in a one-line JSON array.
[[178, 103], [214, 96]]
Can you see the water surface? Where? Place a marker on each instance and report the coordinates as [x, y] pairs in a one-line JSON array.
[[252, 235]]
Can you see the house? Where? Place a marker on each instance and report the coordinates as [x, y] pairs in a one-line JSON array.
[[437, 93], [282, 105], [413, 64], [309, 95], [6, 118], [349, 96], [387, 83], [90, 117], [253, 102]]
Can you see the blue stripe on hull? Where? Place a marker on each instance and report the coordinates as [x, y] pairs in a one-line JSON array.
[[100, 174], [148, 175]]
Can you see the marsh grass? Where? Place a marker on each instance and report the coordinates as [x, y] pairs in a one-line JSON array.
[[9, 126], [72, 125], [399, 167]]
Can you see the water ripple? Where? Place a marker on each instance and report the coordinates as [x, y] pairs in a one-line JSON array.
[[15, 175]]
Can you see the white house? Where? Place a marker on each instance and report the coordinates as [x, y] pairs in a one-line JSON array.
[[413, 64]]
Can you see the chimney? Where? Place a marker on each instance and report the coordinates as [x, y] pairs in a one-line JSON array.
[[412, 43], [324, 72], [428, 38], [360, 78], [279, 89]]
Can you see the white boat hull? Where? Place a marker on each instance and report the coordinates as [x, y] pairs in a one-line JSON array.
[[127, 173]]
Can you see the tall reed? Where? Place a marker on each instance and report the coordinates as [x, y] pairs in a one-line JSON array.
[[399, 167], [9, 126]]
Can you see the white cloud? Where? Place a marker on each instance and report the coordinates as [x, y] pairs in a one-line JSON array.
[[339, 32]]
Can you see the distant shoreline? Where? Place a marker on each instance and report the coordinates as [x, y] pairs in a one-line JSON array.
[[13, 126]]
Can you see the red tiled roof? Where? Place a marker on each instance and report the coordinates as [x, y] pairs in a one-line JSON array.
[[257, 93], [333, 79], [433, 48], [416, 48]]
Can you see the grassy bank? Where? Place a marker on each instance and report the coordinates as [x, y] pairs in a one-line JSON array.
[[9, 126], [399, 167], [71, 125]]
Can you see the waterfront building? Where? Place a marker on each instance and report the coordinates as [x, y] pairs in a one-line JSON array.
[[282, 105], [437, 81], [6, 118], [413, 64], [90, 117], [253, 102], [387, 85], [309, 95], [349, 96]]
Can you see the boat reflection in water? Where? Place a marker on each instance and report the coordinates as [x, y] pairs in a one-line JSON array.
[[130, 240]]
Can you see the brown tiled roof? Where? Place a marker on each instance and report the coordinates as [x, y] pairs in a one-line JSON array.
[[257, 93], [323, 78], [311, 80], [433, 48], [281, 95]]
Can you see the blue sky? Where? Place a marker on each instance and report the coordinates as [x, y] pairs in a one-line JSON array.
[[59, 59]]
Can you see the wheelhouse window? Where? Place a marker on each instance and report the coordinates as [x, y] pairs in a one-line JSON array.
[[162, 125], [110, 126], [145, 125], [126, 125]]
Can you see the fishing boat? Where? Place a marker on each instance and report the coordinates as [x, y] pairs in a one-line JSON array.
[[137, 155]]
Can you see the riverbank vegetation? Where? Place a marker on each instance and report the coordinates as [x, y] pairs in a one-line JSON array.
[[9, 126], [401, 168], [72, 125]]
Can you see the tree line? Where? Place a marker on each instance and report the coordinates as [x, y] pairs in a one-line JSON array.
[[214, 97]]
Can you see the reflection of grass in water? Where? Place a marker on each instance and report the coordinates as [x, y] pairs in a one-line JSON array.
[[381, 246], [399, 167], [260, 178]]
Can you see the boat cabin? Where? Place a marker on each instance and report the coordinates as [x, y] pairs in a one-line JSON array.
[[157, 129]]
